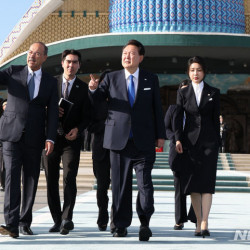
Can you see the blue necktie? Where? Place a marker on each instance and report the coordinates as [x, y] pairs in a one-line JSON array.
[[131, 91], [131, 96], [31, 86]]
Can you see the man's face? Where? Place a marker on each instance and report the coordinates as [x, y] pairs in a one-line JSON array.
[[131, 58], [36, 56], [70, 66]]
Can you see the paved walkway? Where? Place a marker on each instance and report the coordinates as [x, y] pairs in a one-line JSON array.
[[230, 212]]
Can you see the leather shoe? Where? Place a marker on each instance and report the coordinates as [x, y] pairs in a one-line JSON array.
[[205, 233], [120, 232], [178, 227], [197, 233], [102, 227], [8, 230], [25, 230], [66, 226], [145, 233], [55, 228]]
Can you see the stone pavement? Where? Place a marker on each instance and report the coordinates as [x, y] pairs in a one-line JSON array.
[[230, 213]]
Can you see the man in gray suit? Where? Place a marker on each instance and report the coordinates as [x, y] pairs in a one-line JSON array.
[[134, 126], [32, 102]]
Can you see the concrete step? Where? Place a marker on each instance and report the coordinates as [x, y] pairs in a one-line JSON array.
[[217, 189], [218, 183], [85, 178]]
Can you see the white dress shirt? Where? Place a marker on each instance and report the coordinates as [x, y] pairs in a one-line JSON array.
[[37, 79], [198, 90]]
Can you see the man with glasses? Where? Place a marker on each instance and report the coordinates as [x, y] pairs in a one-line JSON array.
[[32, 102]]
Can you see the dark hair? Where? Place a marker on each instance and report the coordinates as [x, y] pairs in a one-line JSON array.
[[199, 60], [44, 46], [185, 82], [136, 43], [71, 52]]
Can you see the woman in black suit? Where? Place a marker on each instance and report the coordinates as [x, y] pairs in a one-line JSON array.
[[176, 164], [199, 140]]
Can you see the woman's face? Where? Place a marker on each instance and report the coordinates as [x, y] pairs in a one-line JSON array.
[[196, 73]]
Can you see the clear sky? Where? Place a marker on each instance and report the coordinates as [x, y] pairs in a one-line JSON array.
[[11, 11]]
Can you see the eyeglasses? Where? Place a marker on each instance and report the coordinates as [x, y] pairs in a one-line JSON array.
[[37, 54]]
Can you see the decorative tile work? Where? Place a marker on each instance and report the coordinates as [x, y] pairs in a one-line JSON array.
[[55, 28], [247, 15], [178, 15], [27, 18]]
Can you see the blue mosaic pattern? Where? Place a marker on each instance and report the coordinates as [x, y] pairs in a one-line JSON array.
[[165, 15], [177, 15], [158, 15]]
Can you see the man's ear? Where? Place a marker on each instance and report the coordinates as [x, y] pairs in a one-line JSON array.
[[141, 58]]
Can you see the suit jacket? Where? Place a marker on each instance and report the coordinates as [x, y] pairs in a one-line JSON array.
[[145, 118], [79, 115], [202, 122], [21, 114], [170, 125], [97, 127]]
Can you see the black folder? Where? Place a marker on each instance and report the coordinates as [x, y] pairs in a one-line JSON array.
[[67, 106]]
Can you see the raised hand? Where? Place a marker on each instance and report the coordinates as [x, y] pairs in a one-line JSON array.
[[93, 83]]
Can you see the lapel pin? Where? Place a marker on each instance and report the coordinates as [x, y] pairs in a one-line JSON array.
[[77, 86], [208, 94], [145, 79]]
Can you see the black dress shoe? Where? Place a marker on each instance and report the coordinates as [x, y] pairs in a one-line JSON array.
[[112, 230], [55, 228], [120, 232], [145, 233], [197, 233], [8, 230], [25, 230], [205, 233], [102, 227], [178, 227], [66, 226]]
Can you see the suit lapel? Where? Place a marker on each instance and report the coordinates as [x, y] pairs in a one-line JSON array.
[[205, 95], [191, 96], [74, 89], [24, 78], [122, 85], [141, 81]]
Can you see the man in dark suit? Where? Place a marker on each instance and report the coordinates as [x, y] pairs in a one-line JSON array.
[[68, 143], [31, 92], [133, 126], [101, 159]]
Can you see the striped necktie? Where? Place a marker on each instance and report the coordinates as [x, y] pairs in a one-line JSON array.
[[31, 86], [66, 91]]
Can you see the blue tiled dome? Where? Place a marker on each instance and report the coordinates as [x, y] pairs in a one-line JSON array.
[[177, 15]]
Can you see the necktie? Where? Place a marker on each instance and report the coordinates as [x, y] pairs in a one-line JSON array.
[[31, 86], [66, 91], [131, 96], [131, 91]]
